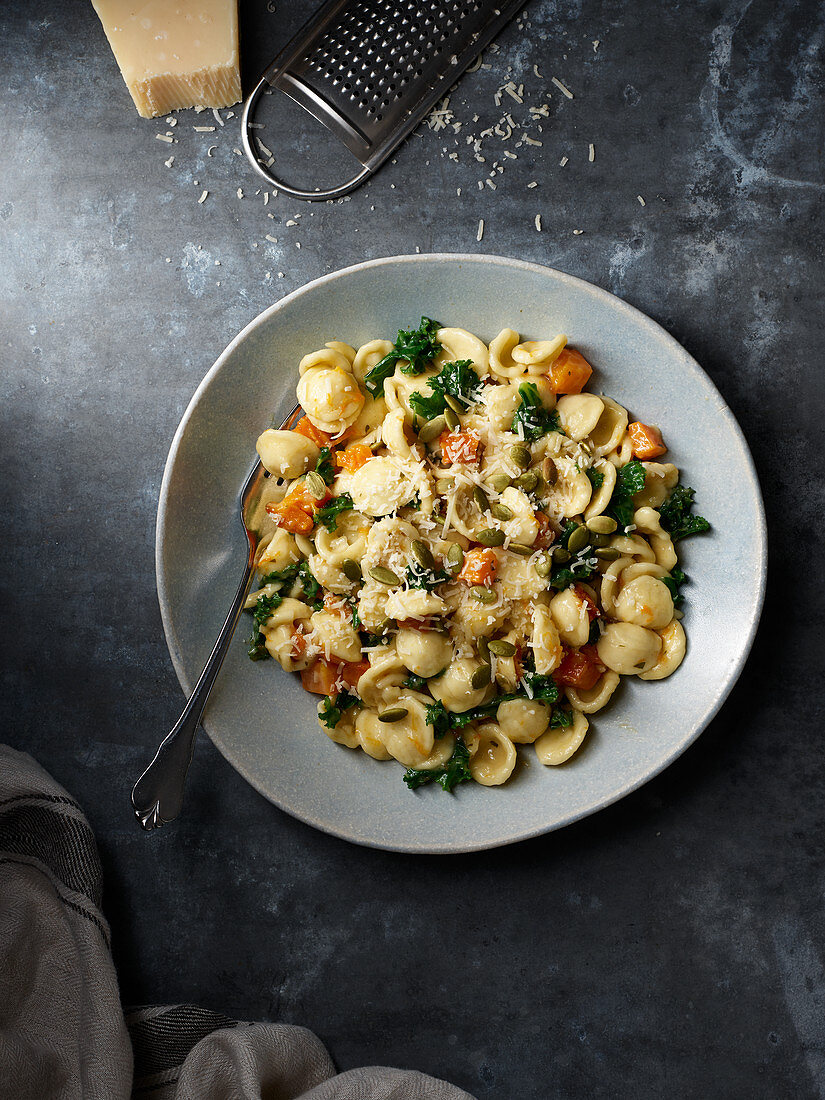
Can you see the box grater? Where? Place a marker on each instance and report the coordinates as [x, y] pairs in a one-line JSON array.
[[370, 70]]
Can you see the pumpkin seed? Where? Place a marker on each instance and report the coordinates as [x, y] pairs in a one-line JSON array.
[[578, 539], [481, 498], [521, 549], [394, 715], [454, 403], [455, 558], [451, 418], [521, 455], [482, 594], [432, 429], [602, 525], [484, 650], [549, 471], [527, 481], [422, 554], [597, 541], [444, 484], [502, 648], [383, 575], [608, 553], [490, 537], [561, 556], [500, 482], [544, 567], [481, 677], [351, 570], [501, 511], [316, 485]]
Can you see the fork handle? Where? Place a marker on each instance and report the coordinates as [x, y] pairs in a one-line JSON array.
[[157, 797]]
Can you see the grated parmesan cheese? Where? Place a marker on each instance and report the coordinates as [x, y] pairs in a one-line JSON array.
[[565, 91]]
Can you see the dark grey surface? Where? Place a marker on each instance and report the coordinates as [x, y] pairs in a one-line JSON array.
[[671, 945]]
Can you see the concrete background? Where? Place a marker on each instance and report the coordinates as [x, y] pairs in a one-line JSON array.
[[671, 945]]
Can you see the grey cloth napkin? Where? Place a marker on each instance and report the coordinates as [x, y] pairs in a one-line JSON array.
[[63, 1035]]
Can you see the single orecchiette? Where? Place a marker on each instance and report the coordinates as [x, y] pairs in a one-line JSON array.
[[558, 745], [492, 755], [286, 454]]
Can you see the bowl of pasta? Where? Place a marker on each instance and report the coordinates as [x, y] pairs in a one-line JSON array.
[[479, 612]]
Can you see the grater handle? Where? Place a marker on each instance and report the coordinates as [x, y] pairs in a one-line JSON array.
[[317, 195]]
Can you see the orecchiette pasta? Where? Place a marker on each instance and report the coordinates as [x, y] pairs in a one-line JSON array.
[[462, 551]]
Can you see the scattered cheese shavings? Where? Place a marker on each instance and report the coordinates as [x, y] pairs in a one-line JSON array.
[[490, 184], [561, 87], [273, 239], [169, 162], [171, 121], [562, 162], [209, 150], [591, 156], [596, 44], [291, 222], [577, 232], [165, 137], [239, 192], [203, 197], [533, 183], [531, 141], [217, 116], [538, 223], [641, 200], [204, 129], [266, 197], [480, 232], [536, 71]]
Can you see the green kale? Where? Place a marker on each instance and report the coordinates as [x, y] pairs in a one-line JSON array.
[[629, 481], [264, 607], [532, 420], [562, 718], [454, 772], [300, 570], [457, 379], [676, 514], [328, 515], [427, 579], [356, 618], [369, 641], [438, 717], [565, 575], [418, 346], [331, 711], [415, 683], [324, 466], [542, 688], [596, 478], [673, 581]]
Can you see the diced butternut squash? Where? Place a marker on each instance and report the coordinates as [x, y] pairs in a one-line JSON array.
[[307, 428], [570, 372], [460, 447], [321, 677], [645, 441], [291, 516], [353, 457], [480, 567]]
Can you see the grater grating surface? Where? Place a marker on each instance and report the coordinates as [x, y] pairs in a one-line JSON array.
[[371, 70]]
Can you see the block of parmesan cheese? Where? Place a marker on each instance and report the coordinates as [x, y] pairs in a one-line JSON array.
[[175, 53]]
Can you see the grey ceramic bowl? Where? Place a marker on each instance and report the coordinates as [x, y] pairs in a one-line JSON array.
[[260, 717]]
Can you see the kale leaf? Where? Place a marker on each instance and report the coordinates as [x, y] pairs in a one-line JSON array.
[[629, 481], [673, 581], [677, 514], [562, 718], [457, 379], [596, 478], [427, 579], [328, 515], [454, 772], [418, 346], [532, 417], [438, 717], [331, 710], [324, 466], [309, 586], [264, 606], [415, 683]]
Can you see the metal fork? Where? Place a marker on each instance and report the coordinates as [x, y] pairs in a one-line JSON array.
[[157, 797]]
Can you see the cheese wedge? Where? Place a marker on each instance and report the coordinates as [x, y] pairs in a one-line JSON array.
[[175, 53]]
